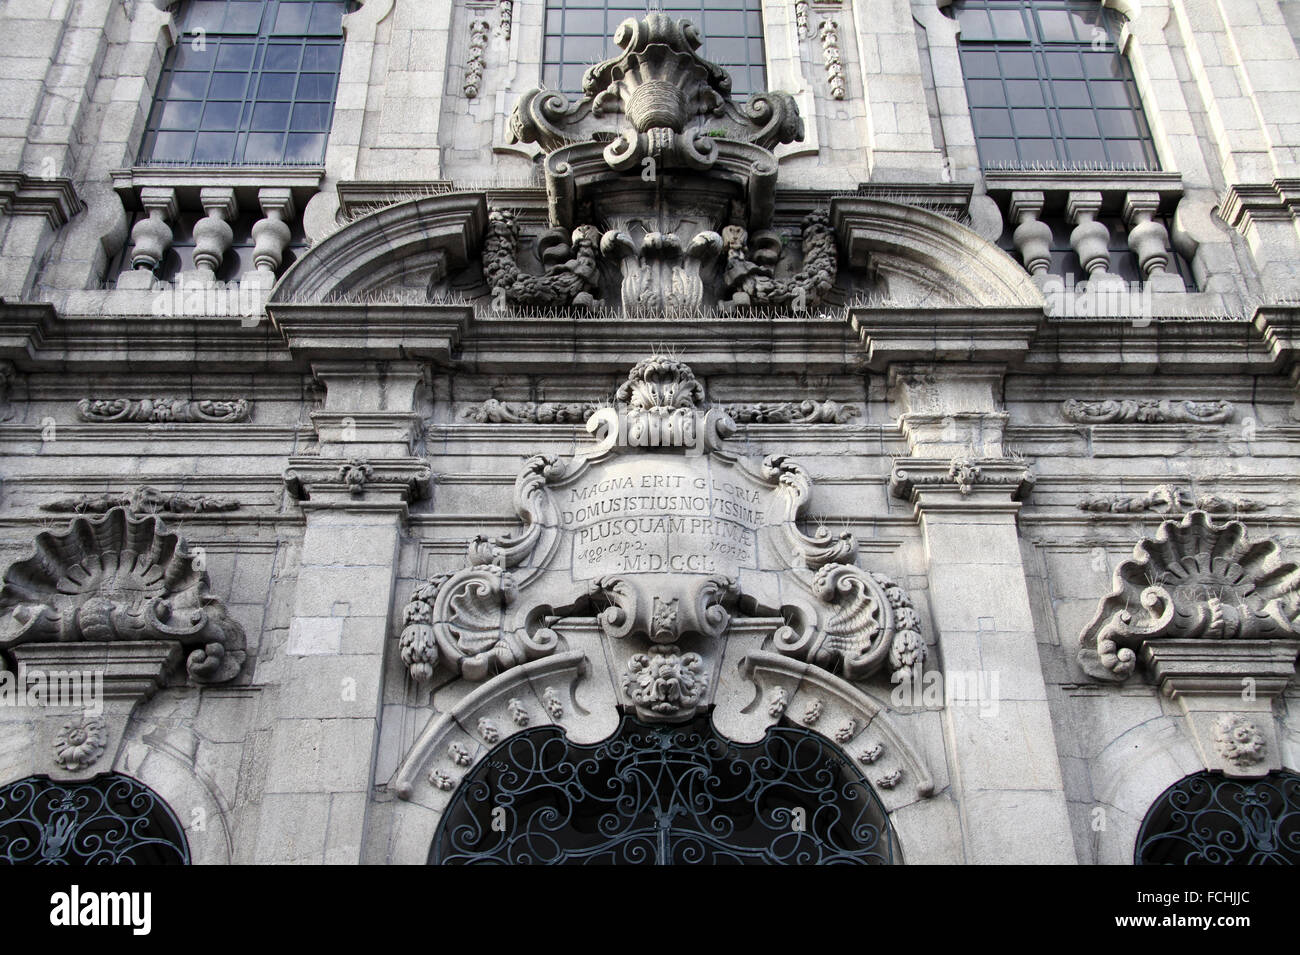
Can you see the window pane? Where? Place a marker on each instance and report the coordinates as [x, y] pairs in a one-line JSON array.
[[1120, 124], [310, 117], [214, 147], [268, 116], [974, 25], [1025, 92], [292, 18], [243, 17], [187, 86], [222, 115], [327, 20], [316, 86], [235, 56], [1008, 25], [1070, 93], [322, 57], [264, 147], [173, 147], [1056, 25], [1078, 122], [1031, 122], [305, 147], [282, 56], [276, 86], [991, 122]]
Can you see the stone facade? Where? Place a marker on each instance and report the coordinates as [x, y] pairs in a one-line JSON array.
[[800, 427]]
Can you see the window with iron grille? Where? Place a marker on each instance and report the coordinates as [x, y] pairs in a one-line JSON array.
[[248, 82], [578, 36], [1048, 85]]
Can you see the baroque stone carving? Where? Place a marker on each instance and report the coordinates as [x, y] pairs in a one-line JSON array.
[[777, 701], [1238, 739], [808, 411], [518, 712], [812, 712], [1194, 580], [441, 780], [665, 682], [120, 577], [872, 753], [1168, 499], [143, 500], [478, 42], [694, 164], [554, 707], [1147, 411], [80, 743], [493, 411], [489, 730], [748, 276], [355, 474], [829, 31], [657, 524], [801, 19], [180, 410], [506, 14], [571, 278]]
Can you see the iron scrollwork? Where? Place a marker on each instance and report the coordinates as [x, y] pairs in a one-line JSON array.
[[665, 795], [1211, 819], [109, 820]]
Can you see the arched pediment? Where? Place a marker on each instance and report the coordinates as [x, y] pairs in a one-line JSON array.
[[917, 253], [407, 244]]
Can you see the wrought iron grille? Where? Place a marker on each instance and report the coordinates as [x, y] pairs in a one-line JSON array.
[[655, 795], [1211, 819], [108, 820]]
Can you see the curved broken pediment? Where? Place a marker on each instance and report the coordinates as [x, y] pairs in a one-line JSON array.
[[920, 254], [412, 243]]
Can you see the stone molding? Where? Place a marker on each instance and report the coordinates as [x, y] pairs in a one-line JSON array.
[[54, 198]]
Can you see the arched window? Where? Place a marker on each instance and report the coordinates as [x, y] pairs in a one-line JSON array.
[[665, 795], [1211, 819], [248, 82], [108, 820], [578, 36], [1048, 86]]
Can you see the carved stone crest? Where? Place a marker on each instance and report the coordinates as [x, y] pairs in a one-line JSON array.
[[661, 538]]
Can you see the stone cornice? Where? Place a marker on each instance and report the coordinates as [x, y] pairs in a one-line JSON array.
[[378, 332], [891, 335], [24, 195], [357, 483], [1244, 204]]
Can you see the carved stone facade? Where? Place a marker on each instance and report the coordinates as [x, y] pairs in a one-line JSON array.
[[545, 410]]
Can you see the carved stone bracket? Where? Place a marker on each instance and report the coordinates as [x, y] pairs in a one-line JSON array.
[[322, 481], [1226, 690], [961, 476], [1195, 580], [1147, 411]]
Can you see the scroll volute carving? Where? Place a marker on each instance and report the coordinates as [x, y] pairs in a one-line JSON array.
[[120, 577], [1194, 580]]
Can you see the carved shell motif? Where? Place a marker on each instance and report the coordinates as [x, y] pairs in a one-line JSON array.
[[1194, 579], [120, 577]]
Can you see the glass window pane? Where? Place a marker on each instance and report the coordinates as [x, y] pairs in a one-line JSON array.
[[1103, 65], [1063, 65], [998, 151], [326, 20], [228, 86], [317, 86], [305, 147], [235, 56], [1110, 93], [1008, 25], [1078, 122], [214, 147], [206, 15], [980, 63], [974, 24], [1025, 92], [1055, 26], [1130, 152], [187, 86], [222, 115], [292, 18], [1120, 124], [276, 86], [264, 147], [268, 116], [1080, 151], [1031, 122], [173, 147], [282, 56], [1038, 151], [243, 16], [322, 56], [1017, 64], [987, 92], [310, 118], [991, 122], [1070, 93]]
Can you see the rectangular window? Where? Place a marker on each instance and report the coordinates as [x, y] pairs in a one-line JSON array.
[[248, 82], [1048, 86], [579, 35]]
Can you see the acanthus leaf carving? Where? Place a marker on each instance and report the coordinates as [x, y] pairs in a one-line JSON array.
[[494, 411], [120, 577], [1194, 580]]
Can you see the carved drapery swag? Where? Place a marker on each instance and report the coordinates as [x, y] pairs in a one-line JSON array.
[[120, 577], [649, 535], [1194, 580], [659, 182]]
